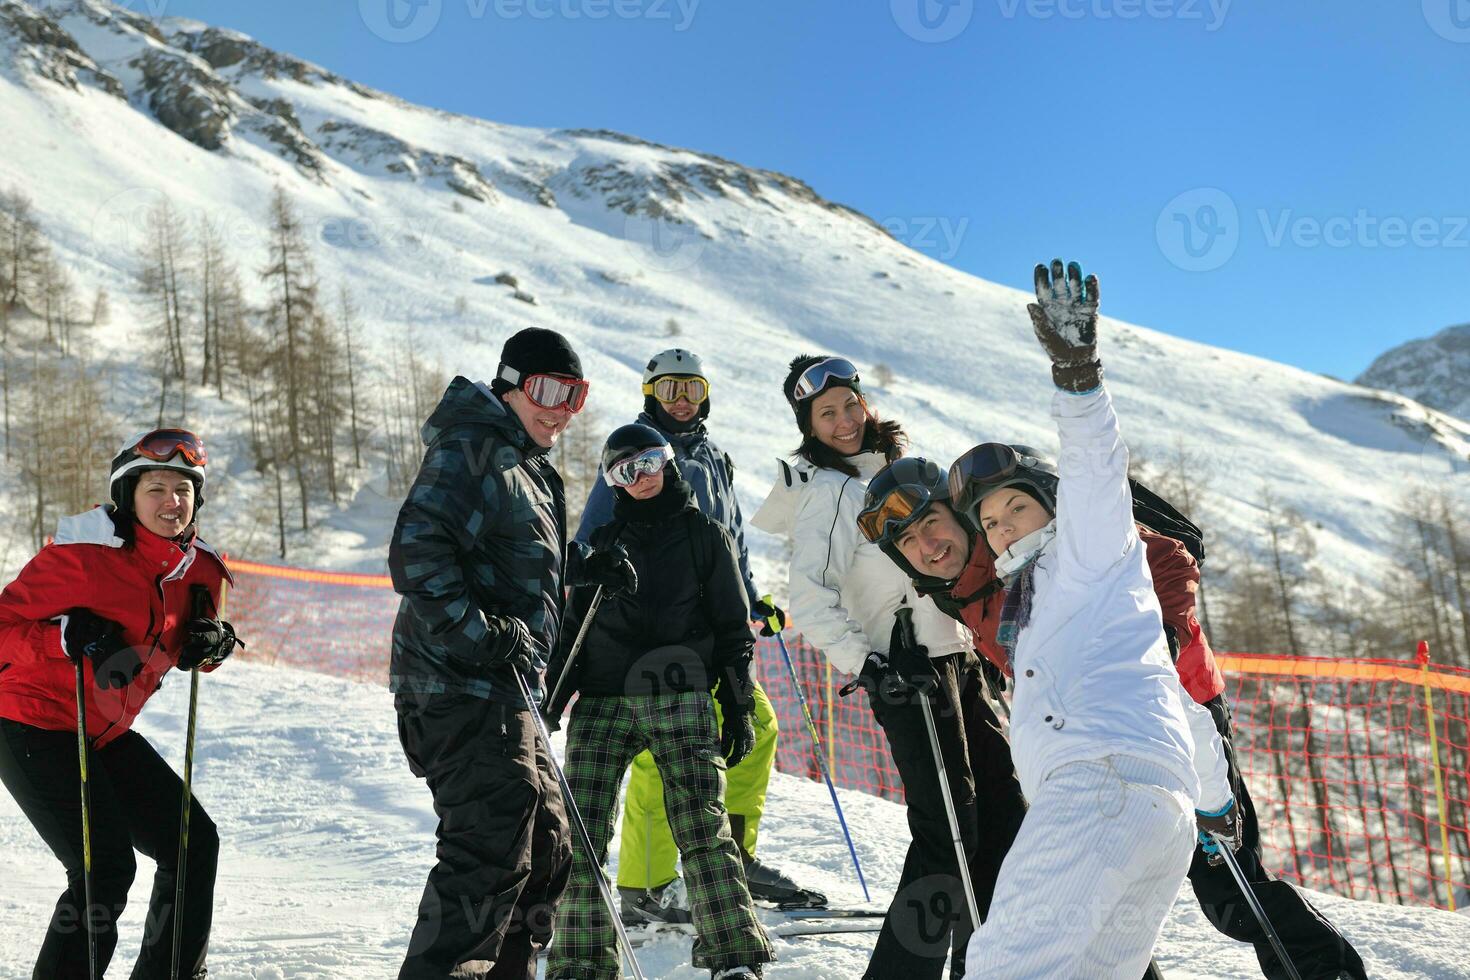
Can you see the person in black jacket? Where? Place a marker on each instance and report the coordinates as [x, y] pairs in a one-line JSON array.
[[477, 557], [671, 625]]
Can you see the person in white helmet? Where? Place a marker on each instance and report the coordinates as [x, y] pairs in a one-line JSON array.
[[676, 403], [126, 592]]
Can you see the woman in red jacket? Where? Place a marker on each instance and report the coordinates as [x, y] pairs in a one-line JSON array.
[[126, 592]]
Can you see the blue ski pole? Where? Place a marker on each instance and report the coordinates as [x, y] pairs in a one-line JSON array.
[[811, 726]]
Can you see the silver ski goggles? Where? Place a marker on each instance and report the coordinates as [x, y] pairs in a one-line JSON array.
[[626, 472], [820, 376]]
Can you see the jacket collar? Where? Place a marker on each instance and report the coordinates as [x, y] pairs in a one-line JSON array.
[[96, 527]]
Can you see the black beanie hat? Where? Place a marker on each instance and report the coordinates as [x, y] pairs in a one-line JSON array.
[[803, 409], [534, 350]]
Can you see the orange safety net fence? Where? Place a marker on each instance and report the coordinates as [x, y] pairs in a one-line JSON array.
[[1338, 755]]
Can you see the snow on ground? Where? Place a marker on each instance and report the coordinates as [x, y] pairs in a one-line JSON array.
[[327, 838]]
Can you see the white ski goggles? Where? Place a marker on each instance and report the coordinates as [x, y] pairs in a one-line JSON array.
[[820, 376], [626, 472]]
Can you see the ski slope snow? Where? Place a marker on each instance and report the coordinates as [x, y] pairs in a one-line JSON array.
[[327, 838]]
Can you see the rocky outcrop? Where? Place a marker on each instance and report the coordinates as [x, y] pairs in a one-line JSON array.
[[1432, 371]]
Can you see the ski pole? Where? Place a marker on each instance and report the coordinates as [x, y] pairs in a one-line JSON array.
[[905, 617], [566, 670], [1255, 904], [86, 821], [583, 838], [200, 596], [811, 726]]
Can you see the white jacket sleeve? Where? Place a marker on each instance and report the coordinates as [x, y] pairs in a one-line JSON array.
[[1094, 504], [1210, 763], [822, 547]]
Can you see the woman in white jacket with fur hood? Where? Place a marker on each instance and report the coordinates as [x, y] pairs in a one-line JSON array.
[[844, 594]]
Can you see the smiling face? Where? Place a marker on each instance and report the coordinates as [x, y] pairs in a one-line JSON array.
[[646, 486], [544, 425], [164, 502], [682, 410], [936, 544], [1009, 514], [839, 420]]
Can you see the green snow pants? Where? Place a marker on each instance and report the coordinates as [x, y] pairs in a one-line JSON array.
[[648, 855]]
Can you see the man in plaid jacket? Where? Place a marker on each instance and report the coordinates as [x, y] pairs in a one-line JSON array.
[[477, 557]]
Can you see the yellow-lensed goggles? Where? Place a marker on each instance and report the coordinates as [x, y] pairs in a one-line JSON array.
[[671, 387]]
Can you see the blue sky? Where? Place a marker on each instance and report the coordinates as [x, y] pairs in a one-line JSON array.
[[1283, 178]]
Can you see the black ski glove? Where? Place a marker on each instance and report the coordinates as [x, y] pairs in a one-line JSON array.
[[736, 696], [507, 643], [210, 642], [552, 710], [765, 610], [114, 663], [607, 567], [1064, 317], [1225, 822]]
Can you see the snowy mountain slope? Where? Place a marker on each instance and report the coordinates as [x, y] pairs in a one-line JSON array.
[[418, 211], [1433, 370], [327, 838]]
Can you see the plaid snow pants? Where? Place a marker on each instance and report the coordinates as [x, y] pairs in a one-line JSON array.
[[603, 736]]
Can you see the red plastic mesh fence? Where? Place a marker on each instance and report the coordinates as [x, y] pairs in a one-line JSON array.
[[1338, 754]]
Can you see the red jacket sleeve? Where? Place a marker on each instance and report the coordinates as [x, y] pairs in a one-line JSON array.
[[52, 582], [1176, 583]]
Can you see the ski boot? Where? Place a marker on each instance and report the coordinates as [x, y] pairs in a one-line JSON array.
[[666, 903], [736, 973], [766, 884]]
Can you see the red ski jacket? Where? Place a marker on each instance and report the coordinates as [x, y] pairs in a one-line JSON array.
[[1176, 580], [145, 589]]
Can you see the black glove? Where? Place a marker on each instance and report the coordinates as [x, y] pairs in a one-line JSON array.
[[210, 642], [1225, 822], [765, 610], [1064, 317], [607, 567], [507, 643], [736, 696], [114, 663], [911, 673]]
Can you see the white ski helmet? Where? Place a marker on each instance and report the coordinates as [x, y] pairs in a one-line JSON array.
[[141, 452], [675, 360]]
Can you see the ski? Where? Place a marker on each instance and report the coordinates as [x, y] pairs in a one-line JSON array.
[[830, 913]]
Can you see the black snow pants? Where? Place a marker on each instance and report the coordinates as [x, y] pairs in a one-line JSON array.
[[504, 851], [928, 916], [135, 807], [1315, 946]]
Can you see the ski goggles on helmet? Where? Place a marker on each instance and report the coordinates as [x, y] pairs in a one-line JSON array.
[[161, 445], [671, 387], [990, 466], [553, 391], [821, 375], [629, 470], [884, 519]]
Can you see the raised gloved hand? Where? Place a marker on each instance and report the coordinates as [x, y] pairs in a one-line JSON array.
[[1064, 317], [736, 696], [607, 567], [210, 642], [1225, 822], [115, 664], [772, 617]]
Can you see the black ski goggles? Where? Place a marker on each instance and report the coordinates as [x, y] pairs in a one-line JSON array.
[[821, 375], [984, 468]]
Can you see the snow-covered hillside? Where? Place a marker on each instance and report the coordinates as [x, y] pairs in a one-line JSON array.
[[1433, 370], [327, 838], [105, 111]]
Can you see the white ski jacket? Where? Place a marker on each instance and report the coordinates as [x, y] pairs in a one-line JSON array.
[[1093, 674], [844, 589]]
